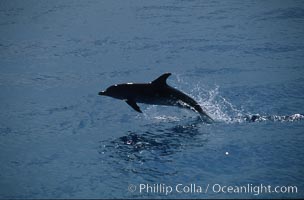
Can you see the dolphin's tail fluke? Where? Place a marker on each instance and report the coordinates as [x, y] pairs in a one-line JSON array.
[[204, 116]]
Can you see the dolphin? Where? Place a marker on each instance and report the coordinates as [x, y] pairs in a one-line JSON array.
[[157, 92]]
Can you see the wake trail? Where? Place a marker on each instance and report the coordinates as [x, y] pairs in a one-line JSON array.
[[224, 111]]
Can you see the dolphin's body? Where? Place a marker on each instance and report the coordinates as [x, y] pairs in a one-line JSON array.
[[157, 92]]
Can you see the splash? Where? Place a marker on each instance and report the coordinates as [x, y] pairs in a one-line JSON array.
[[213, 103], [221, 110], [218, 107]]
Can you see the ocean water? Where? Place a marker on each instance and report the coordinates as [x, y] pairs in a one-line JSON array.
[[240, 60]]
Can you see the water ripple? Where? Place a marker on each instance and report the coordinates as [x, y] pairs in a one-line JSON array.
[[141, 150]]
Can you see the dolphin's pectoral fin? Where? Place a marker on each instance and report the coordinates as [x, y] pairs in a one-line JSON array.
[[133, 104], [162, 80]]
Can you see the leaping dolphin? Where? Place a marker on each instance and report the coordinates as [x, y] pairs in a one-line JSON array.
[[157, 92]]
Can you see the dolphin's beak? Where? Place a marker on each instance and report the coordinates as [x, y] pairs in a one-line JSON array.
[[102, 93]]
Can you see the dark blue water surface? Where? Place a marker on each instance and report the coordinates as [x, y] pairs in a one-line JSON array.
[[238, 59]]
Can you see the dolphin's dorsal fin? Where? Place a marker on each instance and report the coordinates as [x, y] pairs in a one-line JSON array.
[[161, 80]]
